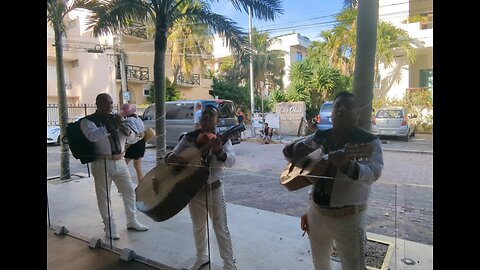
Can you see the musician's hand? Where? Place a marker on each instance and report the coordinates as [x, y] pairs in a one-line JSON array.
[[304, 223], [338, 158], [320, 167], [118, 119], [174, 160], [205, 137], [216, 145]]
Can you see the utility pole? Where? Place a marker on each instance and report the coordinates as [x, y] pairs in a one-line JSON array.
[[123, 75], [252, 101]]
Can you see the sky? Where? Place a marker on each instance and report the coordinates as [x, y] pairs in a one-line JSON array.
[[306, 17]]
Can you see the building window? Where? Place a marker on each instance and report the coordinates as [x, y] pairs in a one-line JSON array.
[[146, 92], [52, 75], [426, 78], [299, 57]]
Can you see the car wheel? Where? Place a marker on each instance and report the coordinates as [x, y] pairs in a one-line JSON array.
[[59, 140], [406, 138], [413, 133]]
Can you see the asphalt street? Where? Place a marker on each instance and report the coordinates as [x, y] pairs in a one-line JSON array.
[[401, 202]]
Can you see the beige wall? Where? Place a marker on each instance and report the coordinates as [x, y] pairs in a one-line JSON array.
[[92, 73], [139, 52], [89, 73], [424, 61]]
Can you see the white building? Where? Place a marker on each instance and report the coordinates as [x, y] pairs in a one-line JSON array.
[[92, 66], [295, 46], [415, 17]]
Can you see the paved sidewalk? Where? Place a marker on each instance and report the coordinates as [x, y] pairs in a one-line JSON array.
[[261, 239]]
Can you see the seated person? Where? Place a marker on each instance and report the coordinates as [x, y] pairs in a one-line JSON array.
[[267, 133]]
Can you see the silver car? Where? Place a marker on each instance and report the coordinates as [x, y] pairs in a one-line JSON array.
[[393, 121]]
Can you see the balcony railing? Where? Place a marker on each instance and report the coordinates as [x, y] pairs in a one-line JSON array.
[[194, 79], [138, 30], [136, 73]]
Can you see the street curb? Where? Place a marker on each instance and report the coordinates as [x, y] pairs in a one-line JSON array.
[[409, 151]]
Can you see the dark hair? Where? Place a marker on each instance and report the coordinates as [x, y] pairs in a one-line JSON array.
[[211, 109], [345, 94]]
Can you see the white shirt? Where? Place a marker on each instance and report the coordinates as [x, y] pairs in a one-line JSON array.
[[348, 191], [136, 124], [99, 136]]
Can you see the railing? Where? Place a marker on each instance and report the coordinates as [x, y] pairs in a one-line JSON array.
[[138, 30], [194, 79], [74, 112], [137, 73]]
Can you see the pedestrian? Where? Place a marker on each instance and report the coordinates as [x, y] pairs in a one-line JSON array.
[[240, 118], [240, 115], [267, 133], [109, 132], [337, 202], [211, 197], [134, 151], [197, 114]]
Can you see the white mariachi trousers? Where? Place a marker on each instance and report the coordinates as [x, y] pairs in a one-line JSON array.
[[117, 171], [218, 215], [348, 233]]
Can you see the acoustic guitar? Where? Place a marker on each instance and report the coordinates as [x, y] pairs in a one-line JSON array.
[[315, 165], [168, 188]]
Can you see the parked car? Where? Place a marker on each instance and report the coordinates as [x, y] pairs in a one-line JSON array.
[[53, 132], [324, 117], [179, 118], [393, 121], [53, 135]]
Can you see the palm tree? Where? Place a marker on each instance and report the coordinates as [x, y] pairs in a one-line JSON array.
[[188, 44], [56, 12], [268, 65], [364, 73], [108, 16]]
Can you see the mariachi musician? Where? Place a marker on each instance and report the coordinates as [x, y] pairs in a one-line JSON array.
[[211, 196]]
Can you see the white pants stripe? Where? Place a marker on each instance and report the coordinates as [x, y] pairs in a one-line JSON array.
[[117, 171], [218, 215], [348, 233]]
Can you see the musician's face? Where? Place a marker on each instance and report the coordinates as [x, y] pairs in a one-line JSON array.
[[105, 104], [208, 121], [344, 113]]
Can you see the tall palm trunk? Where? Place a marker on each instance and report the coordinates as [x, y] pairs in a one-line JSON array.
[[160, 85], [62, 104], [366, 45]]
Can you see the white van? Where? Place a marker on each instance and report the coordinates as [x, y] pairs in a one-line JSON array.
[[179, 118]]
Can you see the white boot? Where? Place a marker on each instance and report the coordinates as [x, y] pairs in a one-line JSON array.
[[199, 263], [130, 212], [111, 231], [135, 225]]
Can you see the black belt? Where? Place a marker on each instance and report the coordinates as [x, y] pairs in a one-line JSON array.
[[211, 186], [341, 211]]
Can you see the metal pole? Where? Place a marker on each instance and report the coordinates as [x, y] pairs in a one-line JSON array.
[[123, 74], [252, 102]]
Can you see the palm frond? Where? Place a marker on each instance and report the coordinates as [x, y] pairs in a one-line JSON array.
[[262, 9], [110, 16], [235, 38]]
